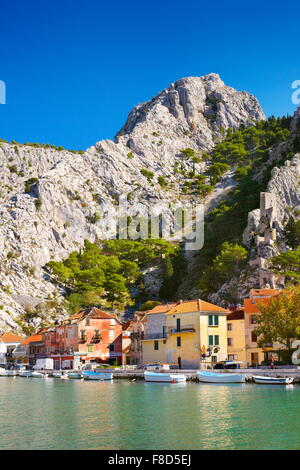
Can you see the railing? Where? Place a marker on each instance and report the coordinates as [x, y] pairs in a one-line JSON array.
[[96, 339], [156, 336], [182, 329]]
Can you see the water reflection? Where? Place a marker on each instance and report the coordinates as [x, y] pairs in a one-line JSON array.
[[73, 414]]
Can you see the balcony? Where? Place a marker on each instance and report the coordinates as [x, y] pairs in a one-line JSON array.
[[155, 336], [96, 339], [182, 329]]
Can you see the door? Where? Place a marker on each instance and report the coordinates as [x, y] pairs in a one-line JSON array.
[[179, 363]]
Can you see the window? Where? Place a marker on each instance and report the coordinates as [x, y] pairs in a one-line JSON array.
[[178, 341], [229, 342], [164, 331], [90, 348], [232, 357], [213, 320], [213, 340], [213, 358], [178, 324], [111, 334], [87, 322], [229, 326], [112, 322], [253, 337], [253, 319], [155, 345], [111, 347]]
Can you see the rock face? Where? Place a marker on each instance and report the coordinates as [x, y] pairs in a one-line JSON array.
[[264, 234], [66, 204]]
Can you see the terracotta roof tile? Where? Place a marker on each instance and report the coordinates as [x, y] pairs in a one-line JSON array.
[[187, 306], [9, 337], [32, 339], [196, 306]]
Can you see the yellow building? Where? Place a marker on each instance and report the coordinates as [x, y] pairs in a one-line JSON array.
[[236, 336], [179, 333]]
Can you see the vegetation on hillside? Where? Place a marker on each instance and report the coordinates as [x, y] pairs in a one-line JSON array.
[[248, 151], [108, 272]]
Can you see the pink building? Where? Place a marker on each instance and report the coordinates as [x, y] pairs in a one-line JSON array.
[[89, 335]]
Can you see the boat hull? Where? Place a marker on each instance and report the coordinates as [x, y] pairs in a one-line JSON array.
[[75, 375], [38, 375], [97, 375], [25, 373], [164, 377], [211, 377], [273, 380]]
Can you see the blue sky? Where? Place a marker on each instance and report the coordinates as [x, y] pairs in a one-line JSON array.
[[74, 69]]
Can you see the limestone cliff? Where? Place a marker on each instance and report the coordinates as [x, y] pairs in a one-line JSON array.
[[53, 215]]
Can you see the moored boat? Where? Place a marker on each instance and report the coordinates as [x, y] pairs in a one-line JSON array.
[[164, 377], [215, 377], [38, 374], [272, 380], [90, 375], [74, 375], [25, 373], [57, 374]]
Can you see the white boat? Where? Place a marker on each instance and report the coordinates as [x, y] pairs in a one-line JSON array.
[[74, 375], [164, 377], [215, 377], [57, 374], [25, 373], [64, 377], [272, 380], [8, 372], [38, 374], [89, 375]]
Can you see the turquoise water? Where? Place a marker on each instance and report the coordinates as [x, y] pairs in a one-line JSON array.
[[54, 414]]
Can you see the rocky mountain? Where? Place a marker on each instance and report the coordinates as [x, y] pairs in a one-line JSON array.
[[51, 200]]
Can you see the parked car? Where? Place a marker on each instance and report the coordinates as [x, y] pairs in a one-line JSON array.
[[228, 365]]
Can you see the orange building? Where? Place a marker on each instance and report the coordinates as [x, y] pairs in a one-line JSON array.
[[254, 354]]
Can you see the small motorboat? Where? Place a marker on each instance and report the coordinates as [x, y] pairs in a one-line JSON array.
[[57, 374], [74, 375], [64, 377], [36, 374], [90, 375], [215, 377], [8, 372], [164, 377], [272, 380], [25, 373]]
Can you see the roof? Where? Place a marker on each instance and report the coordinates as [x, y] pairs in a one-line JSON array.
[[251, 305], [236, 315], [10, 337], [263, 293], [93, 311], [184, 306], [162, 308], [32, 339]]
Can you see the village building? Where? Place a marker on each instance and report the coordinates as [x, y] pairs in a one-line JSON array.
[[133, 335], [236, 338], [255, 354], [8, 343], [186, 333], [91, 335]]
